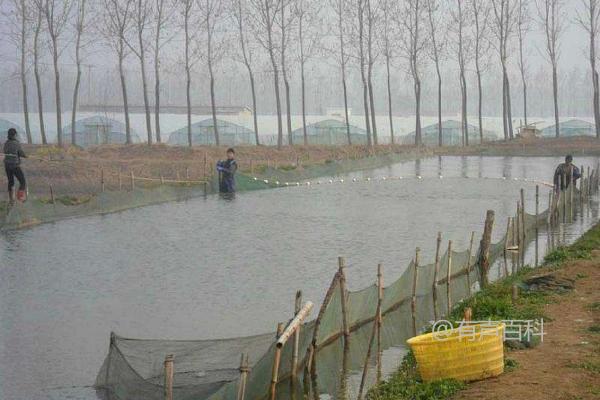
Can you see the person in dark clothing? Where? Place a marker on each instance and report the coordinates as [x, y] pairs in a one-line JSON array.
[[562, 175], [12, 165], [227, 171]]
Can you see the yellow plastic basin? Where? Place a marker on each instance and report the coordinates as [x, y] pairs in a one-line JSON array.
[[466, 354]]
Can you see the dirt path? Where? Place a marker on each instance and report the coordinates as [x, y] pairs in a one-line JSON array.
[[567, 364]]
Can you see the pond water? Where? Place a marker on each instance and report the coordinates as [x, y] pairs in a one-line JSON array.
[[211, 268]]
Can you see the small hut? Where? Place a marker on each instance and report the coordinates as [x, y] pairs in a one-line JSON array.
[[330, 132], [203, 133], [572, 127], [5, 125], [97, 130], [451, 134]]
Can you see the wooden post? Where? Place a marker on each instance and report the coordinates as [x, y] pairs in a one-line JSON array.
[[244, 370], [252, 167], [120, 179], [448, 279], [588, 186], [550, 208], [564, 194], [413, 303], [468, 266], [515, 293], [276, 361], [523, 230], [204, 167], [468, 314], [484, 248], [177, 175], [52, 199], [537, 214], [297, 307], [102, 180], [519, 242], [162, 180], [169, 377], [571, 189], [187, 173], [132, 181], [379, 318], [435, 276], [344, 296], [506, 243]]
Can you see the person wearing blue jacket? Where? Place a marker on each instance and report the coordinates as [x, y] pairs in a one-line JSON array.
[[12, 165], [562, 175]]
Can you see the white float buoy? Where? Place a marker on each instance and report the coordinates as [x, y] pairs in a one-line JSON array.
[[266, 181], [255, 178], [287, 184], [419, 177]]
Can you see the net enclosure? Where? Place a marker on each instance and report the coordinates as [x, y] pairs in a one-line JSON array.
[[330, 132], [451, 134], [98, 130], [209, 369], [203, 133]]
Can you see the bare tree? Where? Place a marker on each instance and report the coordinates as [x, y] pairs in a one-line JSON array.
[[190, 57], [360, 39], [340, 10], [589, 19], [79, 27], [551, 18], [36, 72], [162, 15], [462, 48], [372, 20], [481, 14], [306, 13], [117, 20], [56, 14], [388, 37], [210, 14], [438, 44], [523, 22], [503, 28], [240, 12], [265, 13], [413, 42], [285, 23], [20, 34], [141, 16]]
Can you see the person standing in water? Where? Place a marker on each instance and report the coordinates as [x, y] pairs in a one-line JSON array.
[[227, 171], [565, 170], [12, 165]]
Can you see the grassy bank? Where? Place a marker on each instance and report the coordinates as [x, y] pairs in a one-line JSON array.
[[497, 303]]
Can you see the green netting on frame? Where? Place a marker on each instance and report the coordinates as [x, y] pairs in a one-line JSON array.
[[207, 369]]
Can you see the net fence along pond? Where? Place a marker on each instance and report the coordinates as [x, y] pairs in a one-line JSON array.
[[134, 369]]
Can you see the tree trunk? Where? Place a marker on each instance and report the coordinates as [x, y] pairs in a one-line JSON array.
[[157, 91], [124, 94], [345, 88], [24, 75], [555, 94], [596, 103], [75, 97], [145, 90], [303, 104], [188, 75], [275, 78], [465, 122], [479, 104], [594, 73], [254, 116], [372, 103], [509, 110], [418, 138], [57, 93], [38, 81], [366, 107], [389, 92], [288, 109], [439, 105], [214, 108]]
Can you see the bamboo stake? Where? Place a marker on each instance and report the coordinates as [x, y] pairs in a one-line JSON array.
[[187, 173], [468, 267], [588, 181], [519, 244], [244, 370], [168, 365], [368, 355], [344, 296], [132, 181], [505, 246], [162, 180], [564, 194], [413, 303], [523, 230], [204, 167], [52, 199], [435, 276], [297, 307], [571, 186], [276, 361], [120, 180], [448, 279], [379, 318], [537, 214]]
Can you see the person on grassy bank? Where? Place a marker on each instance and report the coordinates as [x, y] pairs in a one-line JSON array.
[[12, 166]]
